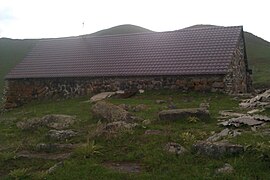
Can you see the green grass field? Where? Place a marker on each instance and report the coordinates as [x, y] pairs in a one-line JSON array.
[[132, 146]]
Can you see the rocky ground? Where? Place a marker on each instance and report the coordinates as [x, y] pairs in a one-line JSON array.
[[137, 136]]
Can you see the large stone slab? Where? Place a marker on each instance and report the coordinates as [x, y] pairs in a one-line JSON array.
[[217, 149], [110, 112], [178, 114]]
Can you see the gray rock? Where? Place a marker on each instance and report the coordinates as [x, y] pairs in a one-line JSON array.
[[229, 113], [30, 124], [175, 148], [178, 114], [61, 134], [226, 169], [110, 112], [244, 120], [217, 149], [260, 100], [101, 96], [205, 105], [125, 106], [224, 133]]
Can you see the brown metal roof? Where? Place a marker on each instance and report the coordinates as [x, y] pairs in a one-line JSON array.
[[183, 52]]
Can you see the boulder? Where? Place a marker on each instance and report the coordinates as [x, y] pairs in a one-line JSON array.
[[178, 114], [61, 134], [260, 100], [110, 112], [175, 148], [217, 149], [101, 96], [140, 107], [127, 93]]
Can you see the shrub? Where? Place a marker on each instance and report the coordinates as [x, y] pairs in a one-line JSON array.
[[22, 173], [88, 150]]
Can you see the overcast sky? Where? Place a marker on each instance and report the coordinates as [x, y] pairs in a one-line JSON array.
[[59, 18]]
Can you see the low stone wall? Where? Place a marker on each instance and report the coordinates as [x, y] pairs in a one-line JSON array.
[[21, 91]]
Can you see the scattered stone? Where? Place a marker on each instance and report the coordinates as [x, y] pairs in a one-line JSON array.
[[261, 118], [101, 96], [152, 132], [260, 100], [253, 111], [226, 169], [217, 149], [160, 101], [43, 147], [55, 167], [178, 114], [244, 120], [230, 113], [110, 112], [175, 148], [55, 121], [140, 107], [224, 133], [61, 134], [125, 167], [48, 156]]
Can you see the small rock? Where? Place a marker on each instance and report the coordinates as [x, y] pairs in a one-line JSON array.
[[178, 114], [55, 167], [61, 134], [57, 121], [217, 149], [253, 111], [160, 101], [226, 169], [152, 132], [141, 91], [101, 96], [244, 120], [229, 113], [110, 112], [175, 148], [30, 124], [222, 134], [261, 118]]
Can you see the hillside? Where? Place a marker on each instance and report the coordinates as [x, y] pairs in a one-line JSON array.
[[12, 51]]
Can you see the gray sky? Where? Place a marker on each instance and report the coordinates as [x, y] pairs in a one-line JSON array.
[[59, 18]]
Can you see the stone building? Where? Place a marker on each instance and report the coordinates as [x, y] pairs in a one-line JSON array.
[[201, 59]]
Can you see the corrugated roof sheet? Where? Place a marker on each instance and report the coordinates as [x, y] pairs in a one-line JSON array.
[[183, 52]]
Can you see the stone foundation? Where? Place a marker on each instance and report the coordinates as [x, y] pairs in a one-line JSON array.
[[21, 91]]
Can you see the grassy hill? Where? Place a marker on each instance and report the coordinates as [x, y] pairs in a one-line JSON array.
[[12, 52]]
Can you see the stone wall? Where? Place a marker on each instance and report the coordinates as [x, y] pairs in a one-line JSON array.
[[21, 91], [238, 79]]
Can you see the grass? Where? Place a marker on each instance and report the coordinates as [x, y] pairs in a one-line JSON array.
[[131, 146]]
